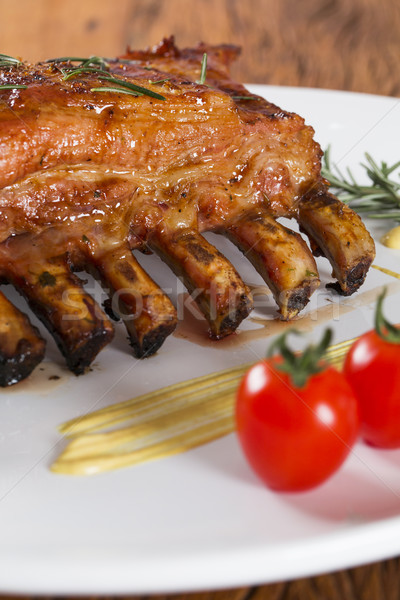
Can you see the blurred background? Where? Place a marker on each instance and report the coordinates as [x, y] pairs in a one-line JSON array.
[[336, 44]]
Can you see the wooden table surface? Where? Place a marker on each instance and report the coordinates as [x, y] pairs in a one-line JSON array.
[[336, 44]]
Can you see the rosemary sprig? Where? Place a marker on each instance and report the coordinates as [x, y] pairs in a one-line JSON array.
[[381, 200], [100, 66]]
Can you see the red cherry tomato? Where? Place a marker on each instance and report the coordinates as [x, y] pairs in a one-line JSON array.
[[372, 368], [295, 437]]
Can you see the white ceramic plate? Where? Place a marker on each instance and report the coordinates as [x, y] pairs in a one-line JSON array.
[[198, 520]]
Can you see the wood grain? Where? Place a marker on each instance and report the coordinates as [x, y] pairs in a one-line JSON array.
[[336, 44]]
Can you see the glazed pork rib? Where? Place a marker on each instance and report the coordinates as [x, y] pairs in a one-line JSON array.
[[102, 157]]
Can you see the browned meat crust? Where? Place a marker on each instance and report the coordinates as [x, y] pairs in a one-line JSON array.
[[88, 175]]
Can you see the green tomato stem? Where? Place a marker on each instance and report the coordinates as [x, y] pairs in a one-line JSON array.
[[386, 330], [300, 367]]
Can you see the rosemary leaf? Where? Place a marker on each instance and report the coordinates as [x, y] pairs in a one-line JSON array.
[[66, 59], [116, 90], [203, 72], [13, 86], [159, 81], [80, 70], [85, 61], [96, 60], [6, 60], [132, 86]]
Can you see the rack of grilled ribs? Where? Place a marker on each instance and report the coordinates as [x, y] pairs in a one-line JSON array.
[[91, 170]]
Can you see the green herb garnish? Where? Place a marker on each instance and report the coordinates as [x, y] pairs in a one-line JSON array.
[[96, 60], [13, 86], [66, 59], [133, 87], [8, 61], [84, 70], [100, 66], [159, 81], [203, 71], [115, 90], [381, 200], [92, 61]]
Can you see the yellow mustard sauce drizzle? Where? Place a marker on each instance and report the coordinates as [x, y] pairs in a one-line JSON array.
[[386, 271], [168, 421], [158, 424]]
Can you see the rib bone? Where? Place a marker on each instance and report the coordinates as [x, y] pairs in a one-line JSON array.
[[21, 346], [217, 288], [148, 314], [280, 256], [56, 296], [341, 236]]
